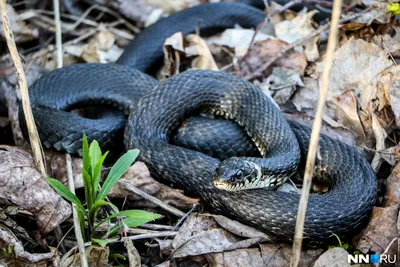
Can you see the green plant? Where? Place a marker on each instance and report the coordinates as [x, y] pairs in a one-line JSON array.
[[95, 195], [341, 245], [394, 8]]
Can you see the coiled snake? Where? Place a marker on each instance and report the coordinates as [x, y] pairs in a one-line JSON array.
[[164, 107]]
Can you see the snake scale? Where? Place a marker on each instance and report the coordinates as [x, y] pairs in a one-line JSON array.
[[157, 110]]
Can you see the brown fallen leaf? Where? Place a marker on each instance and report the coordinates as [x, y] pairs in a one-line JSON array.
[[20, 257], [336, 257], [177, 49], [392, 194], [201, 234], [198, 47], [378, 14], [394, 94], [136, 10], [364, 69], [101, 48], [172, 6], [265, 50], [267, 255], [56, 163], [22, 31], [281, 84], [96, 256], [23, 186], [347, 111], [293, 30], [380, 232], [139, 176], [238, 39]]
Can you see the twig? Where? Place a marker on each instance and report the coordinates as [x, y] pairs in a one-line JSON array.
[[157, 227], [258, 72], [57, 21], [388, 51], [152, 235], [312, 150], [150, 198], [30, 123], [184, 217], [77, 225]]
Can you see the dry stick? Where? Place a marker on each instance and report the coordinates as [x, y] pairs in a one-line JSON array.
[[312, 150], [258, 72], [38, 155], [152, 199], [77, 225]]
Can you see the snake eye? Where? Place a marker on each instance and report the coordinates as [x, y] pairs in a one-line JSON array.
[[239, 175]]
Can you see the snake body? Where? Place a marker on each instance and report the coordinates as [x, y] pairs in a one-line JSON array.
[[157, 110]]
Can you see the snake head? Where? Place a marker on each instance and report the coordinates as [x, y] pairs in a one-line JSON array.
[[235, 174]]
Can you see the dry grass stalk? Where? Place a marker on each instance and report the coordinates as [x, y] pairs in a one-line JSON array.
[[37, 150], [314, 140]]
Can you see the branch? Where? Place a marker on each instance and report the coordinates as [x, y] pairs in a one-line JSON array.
[[314, 140]]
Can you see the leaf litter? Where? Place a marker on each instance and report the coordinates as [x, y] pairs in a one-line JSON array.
[[362, 110]]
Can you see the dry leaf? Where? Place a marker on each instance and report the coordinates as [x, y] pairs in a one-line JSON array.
[[263, 51], [378, 14], [24, 186], [173, 48], [336, 257], [139, 176], [267, 255], [348, 113], [133, 254], [198, 47], [201, 234], [392, 194], [239, 39], [101, 48], [172, 6], [394, 95], [281, 84], [293, 30], [56, 163], [176, 49], [136, 10], [364, 69], [381, 230], [96, 256], [22, 32], [20, 257]]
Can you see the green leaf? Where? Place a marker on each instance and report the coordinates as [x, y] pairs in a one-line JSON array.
[[81, 218], [98, 204], [138, 214], [345, 245], [119, 168], [116, 256], [87, 185], [64, 192], [101, 242], [394, 8], [85, 153], [95, 155], [129, 222], [97, 174]]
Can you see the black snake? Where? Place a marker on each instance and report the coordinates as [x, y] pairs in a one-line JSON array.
[[161, 110]]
